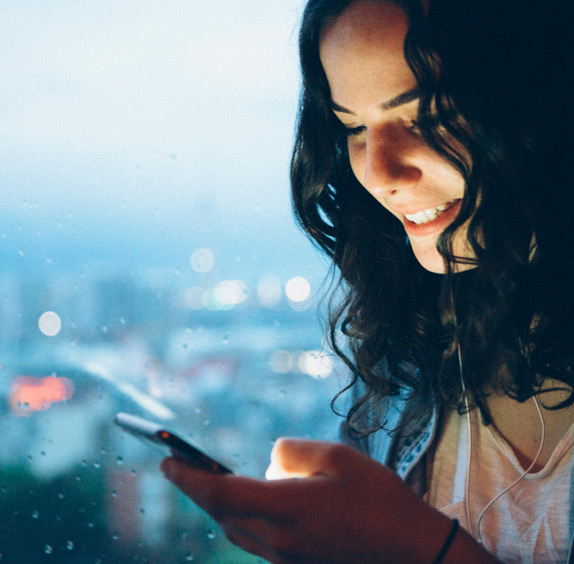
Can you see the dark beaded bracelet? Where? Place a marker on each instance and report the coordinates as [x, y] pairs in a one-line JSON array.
[[447, 542]]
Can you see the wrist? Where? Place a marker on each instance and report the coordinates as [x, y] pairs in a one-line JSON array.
[[464, 548], [439, 540], [446, 544]]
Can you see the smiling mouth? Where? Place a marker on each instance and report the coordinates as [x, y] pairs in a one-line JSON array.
[[426, 216]]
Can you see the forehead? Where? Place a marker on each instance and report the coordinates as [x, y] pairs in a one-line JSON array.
[[364, 49]]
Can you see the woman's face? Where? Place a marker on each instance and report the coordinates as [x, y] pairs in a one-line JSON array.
[[374, 95]]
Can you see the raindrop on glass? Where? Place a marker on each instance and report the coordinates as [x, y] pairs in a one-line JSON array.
[[119, 460], [70, 545], [48, 549], [211, 535], [35, 514]]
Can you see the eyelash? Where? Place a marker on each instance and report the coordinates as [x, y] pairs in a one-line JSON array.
[[356, 131], [414, 125], [353, 131]]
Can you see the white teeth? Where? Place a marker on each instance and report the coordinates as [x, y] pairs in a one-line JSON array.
[[425, 216]]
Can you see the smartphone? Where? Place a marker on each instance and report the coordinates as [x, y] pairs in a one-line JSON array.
[[169, 442]]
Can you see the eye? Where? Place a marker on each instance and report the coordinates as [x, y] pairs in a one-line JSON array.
[[354, 131], [430, 123], [414, 125]]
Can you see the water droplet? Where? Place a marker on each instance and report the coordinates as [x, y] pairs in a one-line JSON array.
[[142, 510], [119, 460], [115, 537], [97, 465], [61, 495], [48, 549], [35, 514], [43, 453], [90, 525], [70, 545], [190, 558], [133, 472], [114, 493], [84, 463], [211, 535]]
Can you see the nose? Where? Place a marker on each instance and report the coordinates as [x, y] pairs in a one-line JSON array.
[[389, 165]]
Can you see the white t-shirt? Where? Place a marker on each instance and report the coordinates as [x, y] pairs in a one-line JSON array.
[[528, 524]]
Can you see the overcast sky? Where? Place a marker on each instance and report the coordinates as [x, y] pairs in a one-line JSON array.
[[145, 118]]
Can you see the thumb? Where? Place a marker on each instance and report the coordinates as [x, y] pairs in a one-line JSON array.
[[298, 458]]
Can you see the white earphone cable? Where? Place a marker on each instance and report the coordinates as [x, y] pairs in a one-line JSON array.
[[478, 535]]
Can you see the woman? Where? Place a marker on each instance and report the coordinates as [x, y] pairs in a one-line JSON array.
[[433, 164]]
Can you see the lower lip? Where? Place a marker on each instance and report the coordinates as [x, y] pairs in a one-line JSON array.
[[438, 225]]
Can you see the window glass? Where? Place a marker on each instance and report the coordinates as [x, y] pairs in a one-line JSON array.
[[150, 264]]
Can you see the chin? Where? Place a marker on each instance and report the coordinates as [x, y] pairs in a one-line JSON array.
[[430, 259], [428, 256], [433, 262]]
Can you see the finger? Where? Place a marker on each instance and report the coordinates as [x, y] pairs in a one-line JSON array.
[[225, 495], [304, 458], [259, 537]]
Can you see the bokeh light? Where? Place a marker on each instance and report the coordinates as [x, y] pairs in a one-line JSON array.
[[50, 323], [298, 289], [202, 260]]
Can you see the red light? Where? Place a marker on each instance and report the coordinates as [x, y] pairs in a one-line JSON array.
[[32, 393]]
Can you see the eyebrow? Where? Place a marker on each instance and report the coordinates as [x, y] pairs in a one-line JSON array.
[[399, 100]]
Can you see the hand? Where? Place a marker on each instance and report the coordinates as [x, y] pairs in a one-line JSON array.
[[343, 508]]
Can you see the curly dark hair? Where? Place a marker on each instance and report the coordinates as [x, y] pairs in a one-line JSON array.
[[497, 78]]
